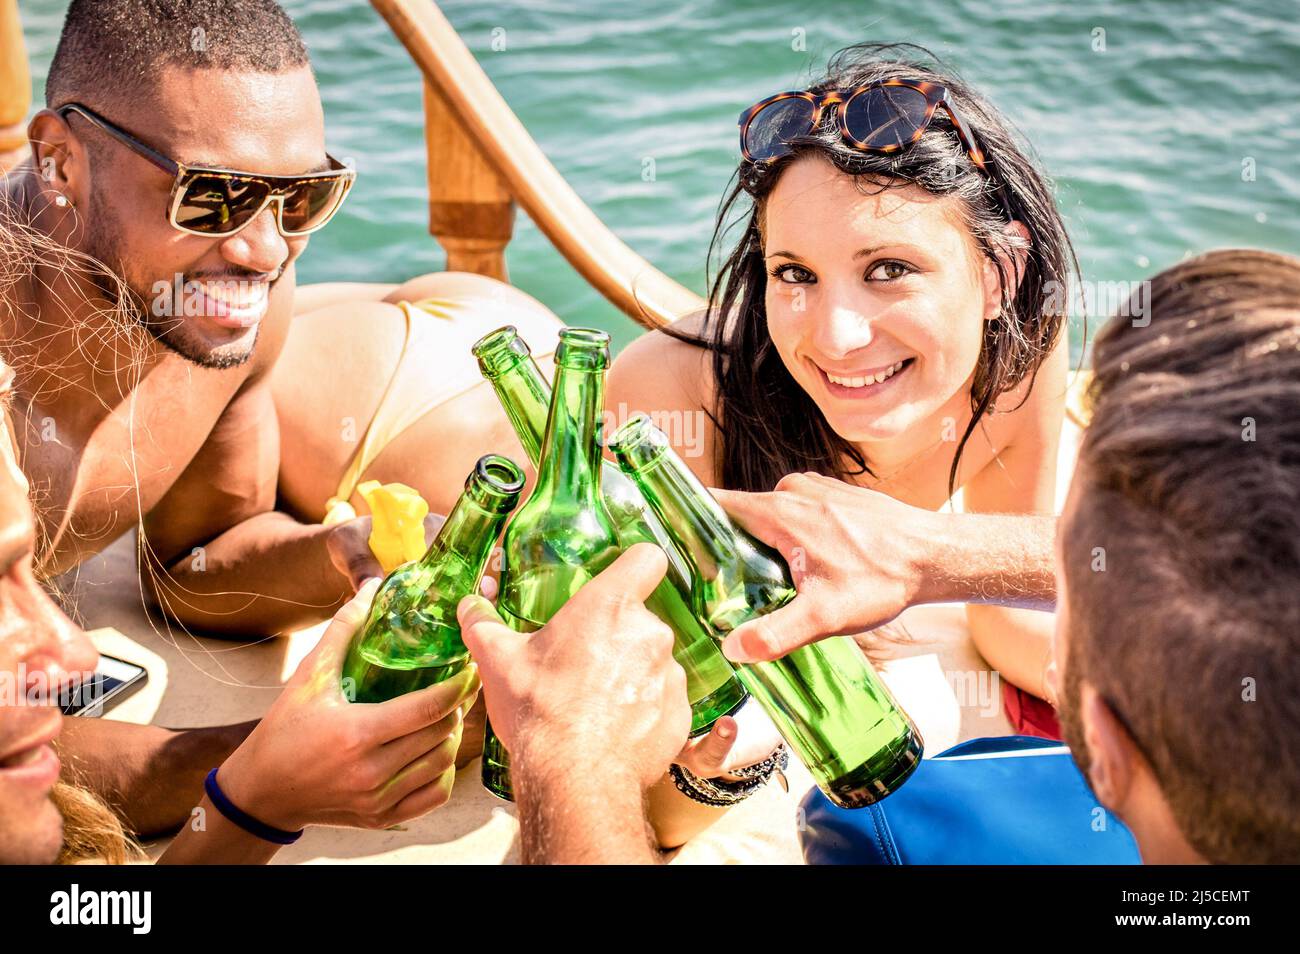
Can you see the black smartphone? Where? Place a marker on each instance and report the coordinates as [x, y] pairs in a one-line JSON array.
[[114, 679]]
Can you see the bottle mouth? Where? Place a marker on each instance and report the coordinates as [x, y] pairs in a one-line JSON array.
[[498, 351], [498, 475], [637, 441], [584, 349]]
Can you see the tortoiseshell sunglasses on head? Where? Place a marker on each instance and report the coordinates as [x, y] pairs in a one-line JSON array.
[[222, 201], [881, 117]]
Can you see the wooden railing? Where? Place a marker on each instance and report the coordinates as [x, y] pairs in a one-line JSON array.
[[482, 160], [15, 87]]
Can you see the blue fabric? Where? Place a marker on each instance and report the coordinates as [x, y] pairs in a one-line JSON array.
[[1002, 809]]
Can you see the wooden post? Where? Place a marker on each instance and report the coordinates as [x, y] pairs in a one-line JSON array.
[[15, 87], [481, 158], [471, 212]]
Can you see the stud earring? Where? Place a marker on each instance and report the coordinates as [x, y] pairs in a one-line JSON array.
[[61, 201]]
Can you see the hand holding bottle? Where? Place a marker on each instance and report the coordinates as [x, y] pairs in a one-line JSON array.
[[852, 555], [582, 511], [828, 704], [595, 691], [317, 759]]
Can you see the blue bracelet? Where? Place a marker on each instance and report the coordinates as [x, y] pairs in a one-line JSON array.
[[236, 816]]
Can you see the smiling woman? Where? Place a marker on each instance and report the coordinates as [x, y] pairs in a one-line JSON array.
[[880, 322], [946, 260], [883, 319]]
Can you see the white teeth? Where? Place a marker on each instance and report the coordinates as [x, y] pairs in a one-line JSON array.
[[863, 381], [236, 294]]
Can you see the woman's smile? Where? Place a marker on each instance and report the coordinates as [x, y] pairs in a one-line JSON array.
[[864, 384]]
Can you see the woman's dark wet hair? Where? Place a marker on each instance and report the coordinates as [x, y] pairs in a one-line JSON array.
[[769, 425]]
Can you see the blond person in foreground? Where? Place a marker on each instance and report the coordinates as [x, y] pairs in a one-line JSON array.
[[314, 759]]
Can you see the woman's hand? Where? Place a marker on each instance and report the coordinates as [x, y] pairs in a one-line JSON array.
[[318, 759], [856, 556], [733, 743], [348, 545]]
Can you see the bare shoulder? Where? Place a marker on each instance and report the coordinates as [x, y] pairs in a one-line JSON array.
[[672, 381], [1019, 475], [659, 372], [1032, 412]]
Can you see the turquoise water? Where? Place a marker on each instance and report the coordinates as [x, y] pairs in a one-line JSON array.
[[1146, 139]]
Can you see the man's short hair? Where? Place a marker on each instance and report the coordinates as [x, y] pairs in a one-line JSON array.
[[1182, 552], [120, 47]]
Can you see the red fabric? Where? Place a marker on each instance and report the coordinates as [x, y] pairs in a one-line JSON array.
[[1029, 714]]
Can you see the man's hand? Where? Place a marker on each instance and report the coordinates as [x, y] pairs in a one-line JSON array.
[[348, 545], [593, 694], [855, 556], [318, 759]]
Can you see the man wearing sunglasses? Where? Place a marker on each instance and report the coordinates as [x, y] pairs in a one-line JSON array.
[[176, 177], [147, 293]]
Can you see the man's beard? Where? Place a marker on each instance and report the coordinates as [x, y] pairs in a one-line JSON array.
[[169, 330], [1071, 721]]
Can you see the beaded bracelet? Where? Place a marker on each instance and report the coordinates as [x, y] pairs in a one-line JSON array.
[[721, 794]]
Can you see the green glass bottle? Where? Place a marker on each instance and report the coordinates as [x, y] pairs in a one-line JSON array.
[[711, 685], [825, 699], [411, 638], [562, 536]]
